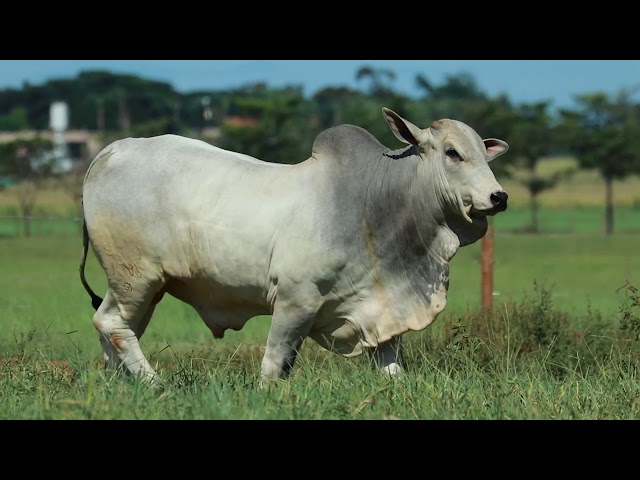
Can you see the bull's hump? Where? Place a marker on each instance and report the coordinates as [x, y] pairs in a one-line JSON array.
[[345, 142]]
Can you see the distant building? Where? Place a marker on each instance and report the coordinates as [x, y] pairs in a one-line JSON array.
[[238, 121], [81, 145]]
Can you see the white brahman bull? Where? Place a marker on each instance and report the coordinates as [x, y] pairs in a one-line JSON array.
[[350, 247]]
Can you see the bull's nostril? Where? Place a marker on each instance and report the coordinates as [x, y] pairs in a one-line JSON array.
[[499, 198]]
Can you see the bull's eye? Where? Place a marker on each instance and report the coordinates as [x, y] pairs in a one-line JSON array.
[[453, 154]]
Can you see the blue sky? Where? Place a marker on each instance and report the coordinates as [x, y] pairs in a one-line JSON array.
[[522, 80]]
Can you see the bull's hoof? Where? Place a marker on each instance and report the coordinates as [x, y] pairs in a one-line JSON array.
[[393, 369]]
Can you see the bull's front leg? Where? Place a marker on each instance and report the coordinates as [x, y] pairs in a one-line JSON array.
[[289, 328], [387, 357]]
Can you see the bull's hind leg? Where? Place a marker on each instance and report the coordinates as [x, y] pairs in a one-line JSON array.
[[110, 356], [387, 356], [121, 321]]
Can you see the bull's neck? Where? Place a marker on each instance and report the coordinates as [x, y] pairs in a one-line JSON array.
[[405, 217], [466, 232]]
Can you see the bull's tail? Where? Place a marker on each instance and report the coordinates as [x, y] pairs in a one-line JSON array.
[[95, 299]]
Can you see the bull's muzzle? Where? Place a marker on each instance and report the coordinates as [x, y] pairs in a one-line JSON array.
[[499, 201]]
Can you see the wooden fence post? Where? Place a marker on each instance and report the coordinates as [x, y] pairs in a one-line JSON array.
[[486, 266]]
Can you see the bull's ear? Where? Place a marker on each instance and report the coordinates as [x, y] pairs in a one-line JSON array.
[[495, 147], [404, 130]]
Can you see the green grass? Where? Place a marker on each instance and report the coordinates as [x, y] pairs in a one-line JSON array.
[[40, 226], [444, 381], [583, 271], [34, 390]]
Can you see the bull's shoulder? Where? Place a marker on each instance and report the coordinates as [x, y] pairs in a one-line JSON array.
[[345, 143]]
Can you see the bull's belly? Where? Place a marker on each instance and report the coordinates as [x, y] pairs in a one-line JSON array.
[[221, 307]]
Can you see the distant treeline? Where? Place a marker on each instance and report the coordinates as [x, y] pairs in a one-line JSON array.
[[283, 118], [105, 101]]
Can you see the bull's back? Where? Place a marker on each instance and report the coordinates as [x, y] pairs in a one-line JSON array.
[[166, 163], [189, 210]]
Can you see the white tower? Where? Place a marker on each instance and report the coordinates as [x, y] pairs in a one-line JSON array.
[[58, 122]]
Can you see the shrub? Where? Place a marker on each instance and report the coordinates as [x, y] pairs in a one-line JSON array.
[[534, 334]]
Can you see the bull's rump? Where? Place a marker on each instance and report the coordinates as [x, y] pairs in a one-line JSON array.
[[171, 209]]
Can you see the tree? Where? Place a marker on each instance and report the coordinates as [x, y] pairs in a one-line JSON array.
[[278, 129], [604, 133], [531, 139], [451, 99], [71, 184], [15, 120], [29, 163], [330, 103], [379, 79], [97, 100]]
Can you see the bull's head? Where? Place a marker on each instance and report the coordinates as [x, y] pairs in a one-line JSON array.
[[460, 159]]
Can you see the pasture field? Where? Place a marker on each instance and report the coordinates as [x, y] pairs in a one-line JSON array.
[[561, 343]]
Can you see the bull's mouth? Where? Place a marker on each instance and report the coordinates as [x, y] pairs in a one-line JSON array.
[[489, 212], [469, 212]]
